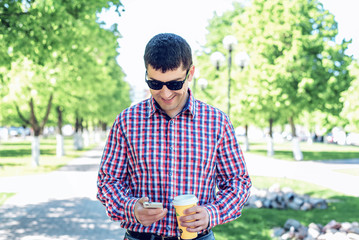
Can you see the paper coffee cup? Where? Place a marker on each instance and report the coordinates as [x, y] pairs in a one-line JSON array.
[[181, 203]]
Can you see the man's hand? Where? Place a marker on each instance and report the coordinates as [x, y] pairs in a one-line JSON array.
[[196, 219], [147, 216]]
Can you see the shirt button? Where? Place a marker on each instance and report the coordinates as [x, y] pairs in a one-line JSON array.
[[168, 228], [170, 173]]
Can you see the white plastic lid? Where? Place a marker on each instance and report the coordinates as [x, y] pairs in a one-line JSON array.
[[186, 199]]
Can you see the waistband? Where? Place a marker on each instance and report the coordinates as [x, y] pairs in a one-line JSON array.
[[151, 236]]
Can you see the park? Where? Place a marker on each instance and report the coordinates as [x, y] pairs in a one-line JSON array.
[[274, 67]]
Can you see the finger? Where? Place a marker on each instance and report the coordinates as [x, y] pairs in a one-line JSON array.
[[143, 199], [147, 220], [162, 214], [153, 211], [192, 210]]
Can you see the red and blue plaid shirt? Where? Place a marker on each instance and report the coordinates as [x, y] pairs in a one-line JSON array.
[[149, 154]]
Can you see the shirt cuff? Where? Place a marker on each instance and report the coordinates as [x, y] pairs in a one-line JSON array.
[[213, 213], [130, 210]]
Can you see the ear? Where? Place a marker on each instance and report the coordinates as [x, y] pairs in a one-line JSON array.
[[191, 73]]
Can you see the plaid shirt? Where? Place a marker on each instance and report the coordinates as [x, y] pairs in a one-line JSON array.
[[149, 154]]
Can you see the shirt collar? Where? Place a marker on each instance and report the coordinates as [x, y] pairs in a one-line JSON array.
[[190, 105]]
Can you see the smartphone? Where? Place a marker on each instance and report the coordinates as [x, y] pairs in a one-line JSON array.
[[152, 205]]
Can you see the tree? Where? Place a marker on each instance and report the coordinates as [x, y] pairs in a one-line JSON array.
[[53, 40], [296, 58], [350, 100]]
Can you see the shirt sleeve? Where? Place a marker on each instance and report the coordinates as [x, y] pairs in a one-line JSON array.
[[233, 181], [113, 179]]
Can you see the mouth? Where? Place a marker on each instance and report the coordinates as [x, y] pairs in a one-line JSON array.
[[168, 100]]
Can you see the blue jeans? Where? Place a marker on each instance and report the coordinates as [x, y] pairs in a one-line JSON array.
[[209, 236]]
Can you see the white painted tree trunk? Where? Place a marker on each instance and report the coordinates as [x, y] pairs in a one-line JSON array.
[[297, 153], [60, 149], [246, 144], [98, 136], [270, 146], [35, 151], [78, 142], [86, 138]]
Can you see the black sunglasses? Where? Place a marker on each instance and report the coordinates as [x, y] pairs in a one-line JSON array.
[[171, 85]]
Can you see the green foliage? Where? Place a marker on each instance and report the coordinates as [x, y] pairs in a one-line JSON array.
[[56, 48], [350, 100], [295, 64]]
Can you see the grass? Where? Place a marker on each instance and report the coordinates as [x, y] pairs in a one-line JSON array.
[[257, 223], [311, 152], [4, 196], [350, 171], [16, 156]]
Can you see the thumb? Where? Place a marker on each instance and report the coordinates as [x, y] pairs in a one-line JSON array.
[[142, 200]]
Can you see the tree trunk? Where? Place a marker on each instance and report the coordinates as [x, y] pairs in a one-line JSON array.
[[36, 127], [270, 147], [297, 153], [35, 151], [60, 148], [86, 135], [78, 142], [246, 141]]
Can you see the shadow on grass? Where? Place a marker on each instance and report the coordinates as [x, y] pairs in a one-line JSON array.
[[257, 223], [18, 153], [16, 144], [310, 156]]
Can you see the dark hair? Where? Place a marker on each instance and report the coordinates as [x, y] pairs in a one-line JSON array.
[[167, 51]]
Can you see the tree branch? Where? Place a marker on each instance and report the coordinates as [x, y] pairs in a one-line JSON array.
[[26, 121], [46, 117]]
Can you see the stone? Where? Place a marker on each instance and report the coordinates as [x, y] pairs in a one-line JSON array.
[[302, 232], [354, 230], [306, 206], [287, 190], [332, 225], [314, 230], [318, 203], [275, 198], [346, 226], [258, 204], [353, 236], [274, 188], [277, 232], [292, 223]]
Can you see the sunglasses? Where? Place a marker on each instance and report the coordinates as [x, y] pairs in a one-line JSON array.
[[171, 85]]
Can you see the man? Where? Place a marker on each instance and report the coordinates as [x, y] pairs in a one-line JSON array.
[[168, 145]]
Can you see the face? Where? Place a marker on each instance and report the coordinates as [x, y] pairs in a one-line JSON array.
[[171, 101]]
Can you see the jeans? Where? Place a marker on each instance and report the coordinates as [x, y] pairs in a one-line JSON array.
[[209, 236]]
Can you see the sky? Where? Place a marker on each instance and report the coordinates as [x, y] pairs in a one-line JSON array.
[[142, 19]]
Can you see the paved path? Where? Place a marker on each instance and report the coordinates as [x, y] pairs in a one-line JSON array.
[[57, 205], [62, 204], [323, 173]]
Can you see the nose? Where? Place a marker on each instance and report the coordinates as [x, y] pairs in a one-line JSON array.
[[165, 92]]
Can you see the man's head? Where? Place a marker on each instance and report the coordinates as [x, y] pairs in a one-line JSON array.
[[169, 69], [168, 51]]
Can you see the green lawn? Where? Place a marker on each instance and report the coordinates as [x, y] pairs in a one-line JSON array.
[[314, 151], [16, 156], [257, 223], [4, 196]]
